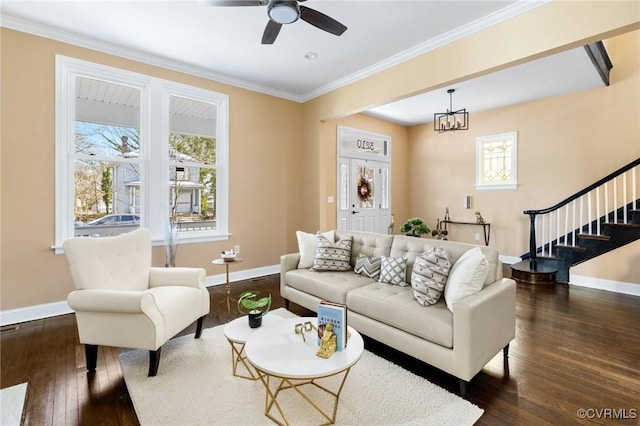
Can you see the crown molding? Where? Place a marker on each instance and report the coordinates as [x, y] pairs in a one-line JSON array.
[[138, 56], [45, 31], [511, 11]]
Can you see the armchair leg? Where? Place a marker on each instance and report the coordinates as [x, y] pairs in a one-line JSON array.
[[154, 362], [505, 352], [91, 355], [199, 326], [286, 304]]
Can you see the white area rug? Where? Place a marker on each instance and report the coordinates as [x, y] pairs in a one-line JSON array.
[[11, 404], [195, 386]]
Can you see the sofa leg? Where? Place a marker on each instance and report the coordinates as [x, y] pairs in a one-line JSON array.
[[286, 304], [199, 326], [154, 362], [505, 352], [464, 388], [91, 355]]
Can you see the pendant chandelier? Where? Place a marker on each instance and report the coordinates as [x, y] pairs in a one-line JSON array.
[[451, 120]]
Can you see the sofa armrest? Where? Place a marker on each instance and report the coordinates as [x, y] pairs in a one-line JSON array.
[[190, 277], [288, 262], [483, 324], [111, 301]]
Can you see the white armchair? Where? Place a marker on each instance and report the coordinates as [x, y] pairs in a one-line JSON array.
[[121, 301]]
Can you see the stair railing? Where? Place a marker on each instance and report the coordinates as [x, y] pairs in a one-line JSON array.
[[604, 201]]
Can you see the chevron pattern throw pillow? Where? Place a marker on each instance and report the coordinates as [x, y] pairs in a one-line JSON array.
[[332, 256], [429, 275], [393, 270], [367, 266]]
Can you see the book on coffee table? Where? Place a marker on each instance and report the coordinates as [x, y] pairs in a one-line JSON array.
[[336, 314]]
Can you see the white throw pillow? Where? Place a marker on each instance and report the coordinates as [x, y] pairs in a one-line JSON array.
[[307, 247], [466, 276]]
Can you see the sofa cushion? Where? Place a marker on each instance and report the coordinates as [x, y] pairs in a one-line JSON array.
[[367, 266], [397, 307], [330, 286], [367, 243], [393, 270], [466, 277], [411, 247], [307, 247], [332, 256], [429, 275]]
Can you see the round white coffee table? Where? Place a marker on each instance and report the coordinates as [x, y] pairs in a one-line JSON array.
[[237, 332], [281, 356]]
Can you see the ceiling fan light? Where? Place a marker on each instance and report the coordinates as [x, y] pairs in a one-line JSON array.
[[283, 11]]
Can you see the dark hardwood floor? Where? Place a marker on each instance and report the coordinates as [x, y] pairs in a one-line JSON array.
[[576, 354]]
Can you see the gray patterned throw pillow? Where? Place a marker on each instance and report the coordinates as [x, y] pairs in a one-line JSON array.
[[367, 266], [332, 256], [429, 275], [393, 270]]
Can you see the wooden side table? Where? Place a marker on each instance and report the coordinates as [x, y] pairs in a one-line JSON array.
[[227, 284]]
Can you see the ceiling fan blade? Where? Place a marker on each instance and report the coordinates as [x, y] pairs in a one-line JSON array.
[[271, 32], [322, 21], [236, 2]]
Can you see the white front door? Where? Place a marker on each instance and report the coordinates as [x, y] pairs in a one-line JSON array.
[[367, 196]]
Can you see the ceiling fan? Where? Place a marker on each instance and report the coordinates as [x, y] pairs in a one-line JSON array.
[[286, 12]]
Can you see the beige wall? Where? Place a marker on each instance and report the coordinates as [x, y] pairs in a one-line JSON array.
[[263, 169], [565, 143], [281, 163]]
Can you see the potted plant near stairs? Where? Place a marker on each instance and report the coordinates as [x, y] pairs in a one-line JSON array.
[[255, 308]]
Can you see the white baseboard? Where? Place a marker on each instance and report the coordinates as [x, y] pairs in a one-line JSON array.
[[245, 274], [607, 285], [36, 312]]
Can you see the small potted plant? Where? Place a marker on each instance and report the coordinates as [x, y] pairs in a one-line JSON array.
[[255, 308], [415, 227]]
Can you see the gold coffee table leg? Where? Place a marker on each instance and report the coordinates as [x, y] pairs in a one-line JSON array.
[[297, 385], [237, 357]]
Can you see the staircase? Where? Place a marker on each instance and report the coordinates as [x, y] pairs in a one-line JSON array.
[[594, 221]]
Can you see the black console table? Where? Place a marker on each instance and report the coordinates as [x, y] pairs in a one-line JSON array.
[[486, 227]]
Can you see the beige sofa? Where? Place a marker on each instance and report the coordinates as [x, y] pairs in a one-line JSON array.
[[459, 342]]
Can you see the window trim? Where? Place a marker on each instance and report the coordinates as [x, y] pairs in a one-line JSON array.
[[153, 127], [480, 143]]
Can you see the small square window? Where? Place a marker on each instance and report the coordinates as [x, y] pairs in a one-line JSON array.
[[496, 161]]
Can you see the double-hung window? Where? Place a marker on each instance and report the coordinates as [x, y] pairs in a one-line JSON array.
[[132, 145]]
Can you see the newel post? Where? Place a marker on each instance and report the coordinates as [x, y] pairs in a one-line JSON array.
[[532, 240]]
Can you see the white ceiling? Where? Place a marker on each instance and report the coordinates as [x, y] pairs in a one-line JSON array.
[[223, 43]]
